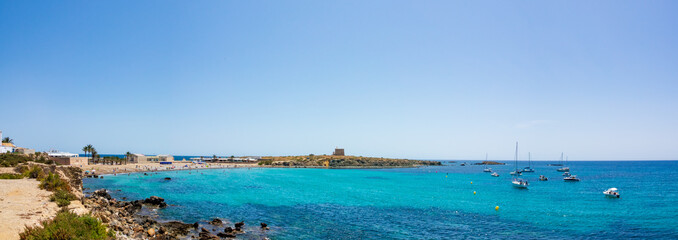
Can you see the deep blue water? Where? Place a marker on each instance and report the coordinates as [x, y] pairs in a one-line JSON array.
[[422, 203]]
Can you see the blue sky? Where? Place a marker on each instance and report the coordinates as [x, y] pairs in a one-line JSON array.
[[412, 79]]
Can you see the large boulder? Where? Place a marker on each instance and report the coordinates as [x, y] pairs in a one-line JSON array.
[[226, 235], [155, 201], [239, 225], [102, 193], [177, 228]]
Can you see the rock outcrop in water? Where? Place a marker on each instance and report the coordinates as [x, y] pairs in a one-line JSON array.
[[155, 201], [489, 163]]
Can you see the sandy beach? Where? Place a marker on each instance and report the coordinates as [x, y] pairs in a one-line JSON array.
[[151, 167], [22, 203]]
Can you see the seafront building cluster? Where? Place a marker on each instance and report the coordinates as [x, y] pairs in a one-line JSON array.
[[74, 159]]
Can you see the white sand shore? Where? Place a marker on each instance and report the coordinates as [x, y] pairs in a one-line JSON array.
[[22, 203]]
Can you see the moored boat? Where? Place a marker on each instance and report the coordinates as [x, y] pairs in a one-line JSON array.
[[562, 169], [543, 178], [566, 174], [517, 182], [529, 164], [487, 169], [520, 183], [571, 178], [516, 172], [494, 174], [612, 192]]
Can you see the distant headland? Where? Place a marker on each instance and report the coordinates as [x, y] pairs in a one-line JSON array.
[[339, 161]]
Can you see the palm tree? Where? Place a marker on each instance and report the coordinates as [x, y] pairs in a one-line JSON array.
[[87, 149], [95, 155], [7, 140]]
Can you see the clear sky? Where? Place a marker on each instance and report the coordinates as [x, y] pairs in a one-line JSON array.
[[414, 79]]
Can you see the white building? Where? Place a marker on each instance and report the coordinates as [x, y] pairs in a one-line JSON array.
[[6, 147], [140, 158], [55, 153]]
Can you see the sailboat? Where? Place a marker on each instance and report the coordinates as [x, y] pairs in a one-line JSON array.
[[516, 172], [517, 182], [563, 169], [529, 164], [487, 169]]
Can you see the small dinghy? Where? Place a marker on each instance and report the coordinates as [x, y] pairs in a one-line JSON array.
[[494, 174], [566, 174], [612, 192], [487, 170], [543, 178]]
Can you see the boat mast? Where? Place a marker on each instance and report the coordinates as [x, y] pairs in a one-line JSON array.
[[529, 160], [516, 157]]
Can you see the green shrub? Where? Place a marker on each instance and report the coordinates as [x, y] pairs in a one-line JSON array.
[[11, 176], [12, 159], [35, 172], [53, 183], [21, 169], [266, 162], [68, 225], [62, 198]]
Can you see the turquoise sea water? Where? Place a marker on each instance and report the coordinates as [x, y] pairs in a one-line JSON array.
[[421, 203]]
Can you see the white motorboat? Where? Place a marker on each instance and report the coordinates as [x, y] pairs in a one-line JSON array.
[[571, 178], [494, 174], [520, 183], [516, 173], [612, 192], [566, 174]]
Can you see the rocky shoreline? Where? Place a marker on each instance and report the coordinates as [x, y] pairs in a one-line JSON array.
[[128, 220]]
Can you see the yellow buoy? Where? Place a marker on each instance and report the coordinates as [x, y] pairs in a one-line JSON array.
[[474, 192], [445, 175], [471, 182], [496, 208]]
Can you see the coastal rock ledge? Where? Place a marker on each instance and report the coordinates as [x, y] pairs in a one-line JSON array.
[[125, 218]]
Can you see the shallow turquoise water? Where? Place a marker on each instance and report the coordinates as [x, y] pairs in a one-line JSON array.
[[422, 203]]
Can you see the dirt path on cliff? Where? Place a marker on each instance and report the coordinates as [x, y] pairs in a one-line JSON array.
[[22, 203]]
